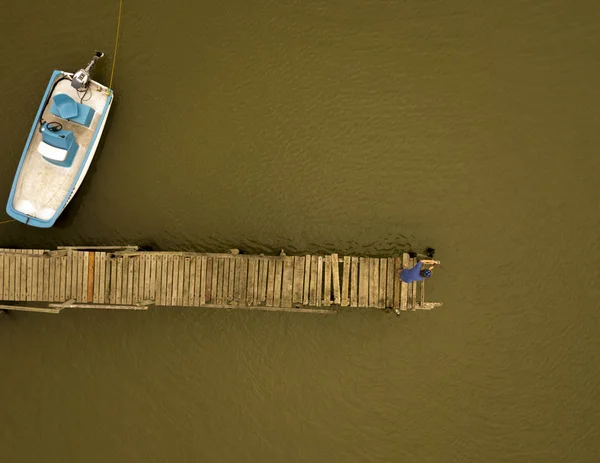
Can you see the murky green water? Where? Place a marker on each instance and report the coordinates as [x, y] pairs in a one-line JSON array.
[[365, 127]]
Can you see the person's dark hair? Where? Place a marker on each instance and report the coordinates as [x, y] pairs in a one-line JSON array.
[[426, 273]]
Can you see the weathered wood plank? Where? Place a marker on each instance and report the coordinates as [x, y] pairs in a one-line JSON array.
[[113, 283], [319, 298], [327, 282], [286, 284], [346, 282], [62, 280], [158, 279], [298, 287], [164, 279], [354, 282], [262, 280], [203, 276], [306, 290], [45, 279], [312, 294], [335, 279], [82, 276], [97, 277], [147, 272], [86, 277], [363, 284], [252, 263], [277, 283], [215, 275], [244, 278], [219, 287], [28, 276], [2, 274], [389, 293], [404, 286], [34, 276], [18, 275], [226, 266], [153, 268], [51, 278], [11, 276], [208, 284], [373, 282], [90, 283], [175, 288], [101, 289], [397, 281], [191, 282], [413, 296], [270, 282], [119, 281], [382, 282], [107, 283], [127, 283], [231, 284], [180, 281], [422, 293]]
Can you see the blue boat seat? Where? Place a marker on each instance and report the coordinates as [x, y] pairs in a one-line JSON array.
[[67, 108], [58, 147]]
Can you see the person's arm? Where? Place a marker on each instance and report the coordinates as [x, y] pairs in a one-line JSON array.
[[431, 262]]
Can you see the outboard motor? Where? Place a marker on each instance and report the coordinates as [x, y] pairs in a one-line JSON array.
[[82, 77]]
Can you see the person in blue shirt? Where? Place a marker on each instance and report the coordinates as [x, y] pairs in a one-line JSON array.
[[417, 273]]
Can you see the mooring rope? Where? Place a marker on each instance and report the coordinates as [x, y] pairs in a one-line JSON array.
[[112, 72]]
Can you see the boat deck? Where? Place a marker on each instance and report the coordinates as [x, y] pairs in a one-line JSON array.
[[46, 184], [128, 278]]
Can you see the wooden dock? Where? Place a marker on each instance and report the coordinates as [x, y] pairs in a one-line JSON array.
[[127, 278]]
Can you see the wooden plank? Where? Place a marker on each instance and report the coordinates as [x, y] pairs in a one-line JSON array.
[[102, 288], [71, 282], [397, 281], [226, 266], [107, 283], [256, 277], [119, 281], [175, 295], [51, 278], [97, 277], [237, 286], [203, 264], [112, 295], [5, 275], [312, 291], [319, 297], [155, 278], [126, 280], [81, 276], [354, 282], [208, 285], [286, 283], [135, 283], [277, 281], [2, 274], [17, 260], [10, 292], [191, 282], [373, 282], [58, 279], [327, 282], [68, 275], [43, 283], [413, 288], [26, 272], [243, 278], [298, 285], [141, 269], [85, 276], [63, 279], [181, 281], [219, 287], [164, 263], [306, 290], [251, 274], [270, 282], [363, 283], [147, 277], [262, 287], [214, 287], [231, 280], [335, 279], [34, 275], [404, 286], [346, 282], [28, 275], [382, 282], [90, 283], [389, 285], [422, 293]]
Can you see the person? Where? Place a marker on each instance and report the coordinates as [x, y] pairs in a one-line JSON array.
[[417, 273]]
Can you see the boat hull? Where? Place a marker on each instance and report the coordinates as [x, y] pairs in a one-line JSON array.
[[41, 190]]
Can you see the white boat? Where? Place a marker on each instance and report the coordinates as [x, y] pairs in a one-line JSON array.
[[60, 147]]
